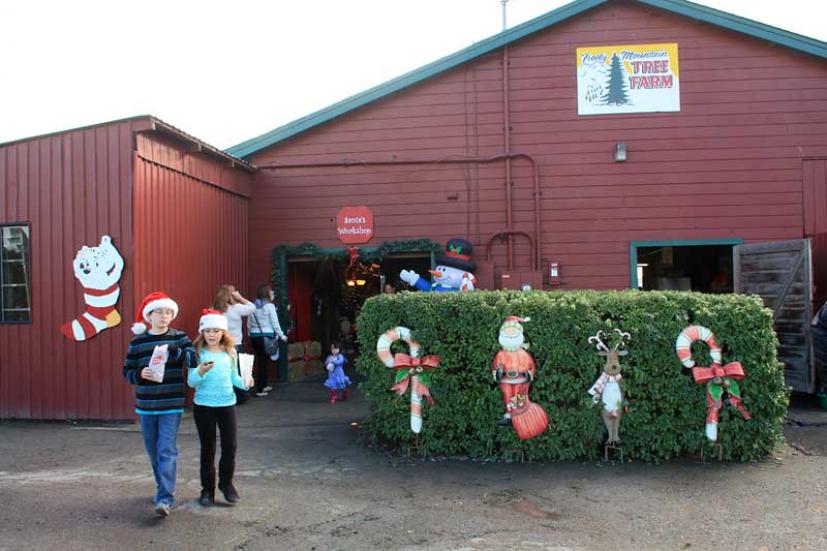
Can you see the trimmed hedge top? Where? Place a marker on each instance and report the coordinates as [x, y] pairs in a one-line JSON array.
[[667, 408]]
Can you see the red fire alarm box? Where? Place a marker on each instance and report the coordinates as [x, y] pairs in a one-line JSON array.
[[554, 273]]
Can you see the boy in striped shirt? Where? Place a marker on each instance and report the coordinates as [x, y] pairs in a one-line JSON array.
[[159, 405]]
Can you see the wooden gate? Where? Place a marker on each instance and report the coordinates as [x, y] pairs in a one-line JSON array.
[[781, 273]]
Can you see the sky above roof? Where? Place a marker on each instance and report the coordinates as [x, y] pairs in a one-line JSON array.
[[226, 72]]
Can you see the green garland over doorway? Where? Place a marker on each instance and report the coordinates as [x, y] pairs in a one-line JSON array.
[[282, 253]]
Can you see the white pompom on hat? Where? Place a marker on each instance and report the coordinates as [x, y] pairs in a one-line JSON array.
[[152, 301], [212, 319]]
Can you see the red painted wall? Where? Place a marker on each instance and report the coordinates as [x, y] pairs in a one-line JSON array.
[[728, 165], [72, 188], [814, 179], [189, 216], [190, 227]]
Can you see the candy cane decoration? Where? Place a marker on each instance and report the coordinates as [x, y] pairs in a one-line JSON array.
[[386, 339], [718, 378], [683, 346], [411, 370]]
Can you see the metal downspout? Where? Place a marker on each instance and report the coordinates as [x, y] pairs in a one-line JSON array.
[[507, 148]]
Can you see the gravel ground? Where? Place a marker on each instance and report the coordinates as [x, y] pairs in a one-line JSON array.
[[308, 482]]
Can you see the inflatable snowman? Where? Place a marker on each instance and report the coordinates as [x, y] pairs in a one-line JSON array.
[[454, 270]]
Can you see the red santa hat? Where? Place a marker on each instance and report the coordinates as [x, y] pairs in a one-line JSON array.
[[152, 301], [212, 319], [514, 321]]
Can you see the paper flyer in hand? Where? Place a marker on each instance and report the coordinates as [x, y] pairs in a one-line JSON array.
[[245, 363], [158, 362]]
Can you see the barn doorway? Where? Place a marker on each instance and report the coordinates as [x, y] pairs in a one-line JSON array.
[[704, 266], [326, 296]]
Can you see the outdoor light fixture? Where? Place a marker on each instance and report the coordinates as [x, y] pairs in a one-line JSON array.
[[620, 152]]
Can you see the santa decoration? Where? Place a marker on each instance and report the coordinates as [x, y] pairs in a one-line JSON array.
[[454, 270], [513, 368], [151, 302]]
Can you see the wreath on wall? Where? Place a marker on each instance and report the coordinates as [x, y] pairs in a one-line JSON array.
[[281, 253]]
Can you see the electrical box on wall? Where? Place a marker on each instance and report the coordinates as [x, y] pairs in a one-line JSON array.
[[519, 279], [554, 273]]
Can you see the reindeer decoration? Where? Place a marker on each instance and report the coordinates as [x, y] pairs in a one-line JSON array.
[[606, 389]]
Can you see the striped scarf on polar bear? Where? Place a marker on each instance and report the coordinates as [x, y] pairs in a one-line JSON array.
[[98, 269]]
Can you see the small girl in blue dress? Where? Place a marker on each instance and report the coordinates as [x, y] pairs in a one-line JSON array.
[[336, 378]]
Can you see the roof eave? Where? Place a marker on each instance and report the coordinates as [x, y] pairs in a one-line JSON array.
[[248, 147], [681, 7], [200, 146], [739, 24]]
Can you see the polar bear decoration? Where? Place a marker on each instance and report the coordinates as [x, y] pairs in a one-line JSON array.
[[98, 269]]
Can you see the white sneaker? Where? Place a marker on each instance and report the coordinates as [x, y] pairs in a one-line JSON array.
[[162, 510], [262, 393], [268, 388]]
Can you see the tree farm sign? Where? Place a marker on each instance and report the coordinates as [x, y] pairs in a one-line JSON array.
[[641, 78]]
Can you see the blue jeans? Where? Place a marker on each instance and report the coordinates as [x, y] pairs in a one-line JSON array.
[[160, 433]]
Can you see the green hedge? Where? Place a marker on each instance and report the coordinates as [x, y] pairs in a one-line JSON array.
[[668, 408]]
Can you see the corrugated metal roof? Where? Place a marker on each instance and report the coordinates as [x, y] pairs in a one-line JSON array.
[[203, 147], [154, 124], [681, 7]]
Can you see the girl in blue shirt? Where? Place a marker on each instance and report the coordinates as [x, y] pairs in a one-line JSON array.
[[213, 379], [336, 379]]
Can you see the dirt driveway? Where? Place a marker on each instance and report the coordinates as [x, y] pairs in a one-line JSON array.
[[307, 482]]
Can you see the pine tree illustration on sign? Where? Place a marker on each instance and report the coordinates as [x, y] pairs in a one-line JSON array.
[[616, 93]]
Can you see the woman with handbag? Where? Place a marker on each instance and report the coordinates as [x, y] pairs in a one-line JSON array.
[[229, 302], [263, 327]]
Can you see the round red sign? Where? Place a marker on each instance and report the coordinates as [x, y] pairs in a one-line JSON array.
[[354, 225]]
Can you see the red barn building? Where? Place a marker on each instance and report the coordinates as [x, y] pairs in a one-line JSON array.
[[159, 194], [608, 144], [500, 140]]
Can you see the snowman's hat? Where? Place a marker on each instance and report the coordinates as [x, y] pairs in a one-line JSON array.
[[457, 255]]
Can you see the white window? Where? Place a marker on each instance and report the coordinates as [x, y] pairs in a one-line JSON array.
[[15, 283]]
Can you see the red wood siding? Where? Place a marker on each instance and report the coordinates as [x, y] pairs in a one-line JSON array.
[[72, 188], [190, 235], [727, 165], [190, 231], [814, 177]]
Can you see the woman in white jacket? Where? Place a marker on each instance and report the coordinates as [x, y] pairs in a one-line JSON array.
[[262, 324], [234, 306]]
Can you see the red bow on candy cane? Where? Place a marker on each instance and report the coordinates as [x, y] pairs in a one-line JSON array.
[[408, 366], [719, 378], [732, 370]]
